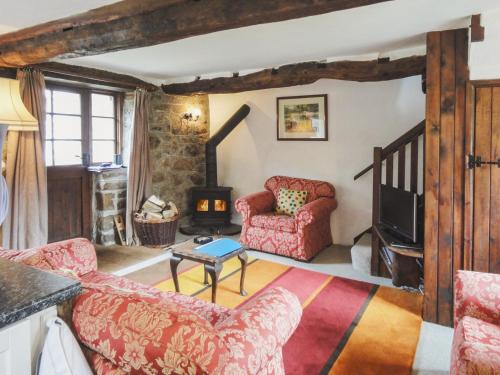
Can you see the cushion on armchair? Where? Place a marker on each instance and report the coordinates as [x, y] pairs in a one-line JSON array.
[[289, 201], [274, 221]]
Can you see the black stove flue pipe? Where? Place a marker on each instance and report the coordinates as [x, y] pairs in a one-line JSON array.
[[213, 142]]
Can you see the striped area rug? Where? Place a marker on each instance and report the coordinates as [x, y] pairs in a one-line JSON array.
[[347, 326]]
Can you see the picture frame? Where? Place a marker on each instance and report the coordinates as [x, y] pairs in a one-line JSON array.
[[302, 118]]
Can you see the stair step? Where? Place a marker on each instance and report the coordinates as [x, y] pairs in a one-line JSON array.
[[361, 254]]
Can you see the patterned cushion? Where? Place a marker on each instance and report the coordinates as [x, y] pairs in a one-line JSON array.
[[273, 221], [316, 189], [209, 311], [476, 348], [289, 201]]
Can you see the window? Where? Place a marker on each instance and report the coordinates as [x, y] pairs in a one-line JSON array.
[[103, 128], [81, 124]]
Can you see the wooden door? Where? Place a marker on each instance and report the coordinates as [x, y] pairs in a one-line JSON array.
[[69, 189], [482, 221]]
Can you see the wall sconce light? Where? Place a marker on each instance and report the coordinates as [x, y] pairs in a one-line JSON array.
[[192, 116]]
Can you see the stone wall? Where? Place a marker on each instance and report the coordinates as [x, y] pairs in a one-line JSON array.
[[109, 199], [178, 146]]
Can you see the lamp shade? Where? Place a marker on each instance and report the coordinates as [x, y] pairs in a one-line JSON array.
[[12, 110]]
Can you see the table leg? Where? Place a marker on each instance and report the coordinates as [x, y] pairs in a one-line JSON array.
[[214, 272], [243, 260], [205, 275], [174, 262]]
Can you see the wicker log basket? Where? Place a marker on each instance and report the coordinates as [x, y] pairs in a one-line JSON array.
[[158, 233]]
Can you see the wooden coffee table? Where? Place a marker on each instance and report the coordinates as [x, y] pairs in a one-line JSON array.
[[212, 265]]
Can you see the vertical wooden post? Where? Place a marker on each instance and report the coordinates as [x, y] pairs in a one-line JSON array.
[[447, 74], [414, 166], [389, 171], [401, 166], [377, 180]]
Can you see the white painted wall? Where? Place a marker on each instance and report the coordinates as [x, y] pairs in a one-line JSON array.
[[361, 116], [484, 59]]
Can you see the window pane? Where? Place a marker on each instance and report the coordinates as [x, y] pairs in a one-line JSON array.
[[103, 128], [67, 127], [48, 153], [102, 151], [48, 127], [103, 105], [48, 101], [67, 152], [66, 102]]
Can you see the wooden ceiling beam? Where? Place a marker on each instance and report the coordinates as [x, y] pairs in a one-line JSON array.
[[85, 75], [132, 24], [93, 76], [476, 30], [303, 74]]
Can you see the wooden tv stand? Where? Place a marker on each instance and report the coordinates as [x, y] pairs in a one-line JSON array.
[[404, 263]]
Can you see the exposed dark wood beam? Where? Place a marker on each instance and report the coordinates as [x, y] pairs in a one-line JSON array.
[[132, 24], [476, 30], [303, 74], [93, 76], [85, 75]]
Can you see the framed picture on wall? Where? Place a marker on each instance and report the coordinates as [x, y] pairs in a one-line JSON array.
[[303, 118]]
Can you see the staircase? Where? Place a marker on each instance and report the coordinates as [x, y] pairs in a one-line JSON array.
[[384, 157]]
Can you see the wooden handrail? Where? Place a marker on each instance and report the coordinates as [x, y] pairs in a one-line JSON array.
[[394, 146]]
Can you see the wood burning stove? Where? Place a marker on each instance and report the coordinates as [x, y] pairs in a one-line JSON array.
[[211, 205]]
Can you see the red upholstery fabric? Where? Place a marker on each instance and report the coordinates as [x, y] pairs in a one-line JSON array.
[[270, 220], [476, 347], [301, 236], [476, 341], [135, 329], [316, 189]]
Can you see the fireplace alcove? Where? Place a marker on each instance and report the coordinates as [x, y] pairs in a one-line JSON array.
[[211, 205]]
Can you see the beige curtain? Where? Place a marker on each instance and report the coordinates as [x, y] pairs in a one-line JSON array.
[[27, 219], [139, 167]]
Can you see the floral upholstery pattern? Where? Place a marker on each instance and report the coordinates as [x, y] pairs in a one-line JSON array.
[[271, 220], [476, 347], [269, 321], [264, 231], [477, 294], [476, 341], [209, 311], [130, 328], [315, 189]]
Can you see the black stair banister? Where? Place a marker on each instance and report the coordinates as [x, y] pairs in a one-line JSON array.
[[394, 146]]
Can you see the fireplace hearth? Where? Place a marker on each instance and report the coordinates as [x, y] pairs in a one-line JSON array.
[[211, 205]]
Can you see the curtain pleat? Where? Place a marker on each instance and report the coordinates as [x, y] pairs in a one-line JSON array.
[[139, 168], [26, 224]]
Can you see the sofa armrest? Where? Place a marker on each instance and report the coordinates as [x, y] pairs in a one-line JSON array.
[[77, 256], [317, 210], [255, 204], [74, 257], [145, 334], [477, 295], [256, 332]]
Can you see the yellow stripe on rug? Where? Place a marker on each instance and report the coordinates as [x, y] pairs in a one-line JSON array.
[[259, 274], [395, 314]]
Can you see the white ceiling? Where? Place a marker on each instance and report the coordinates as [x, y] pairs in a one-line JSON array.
[[366, 32]]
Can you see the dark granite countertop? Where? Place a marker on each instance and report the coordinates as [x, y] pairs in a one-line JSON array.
[[25, 291]]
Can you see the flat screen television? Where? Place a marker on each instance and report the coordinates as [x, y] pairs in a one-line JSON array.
[[399, 212]]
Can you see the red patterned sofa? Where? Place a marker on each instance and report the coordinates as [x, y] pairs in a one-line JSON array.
[[301, 236], [135, 329], [476, 342]]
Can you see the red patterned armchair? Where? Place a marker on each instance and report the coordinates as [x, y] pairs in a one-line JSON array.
[[476, 342], [301, 236], [130, 328]]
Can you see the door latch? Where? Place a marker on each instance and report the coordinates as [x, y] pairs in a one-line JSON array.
[[477, 161]]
